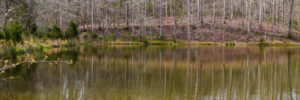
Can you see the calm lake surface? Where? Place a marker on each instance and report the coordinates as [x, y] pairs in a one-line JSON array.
[[158, 73]]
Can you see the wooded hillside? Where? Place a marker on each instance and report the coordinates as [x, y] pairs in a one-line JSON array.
[[203, 20]]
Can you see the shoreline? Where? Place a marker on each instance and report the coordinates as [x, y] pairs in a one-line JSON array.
[[229, 44], [72, 43]]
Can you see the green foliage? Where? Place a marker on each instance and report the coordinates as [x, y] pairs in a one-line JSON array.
[[290, 36], [110, 38], [85, 36], [33, 29], [43, 32], [173, 40], [93, 35], [42, 47], [10, 52], [162, 38], [149, 8], [1, 35], [180, 11], [262, 41], [128, 33], [230, 44], [295, 24], [70, 43], [13, 32], [72, 30], [122, 39], [144, 39], [133, 38], [55, 32]]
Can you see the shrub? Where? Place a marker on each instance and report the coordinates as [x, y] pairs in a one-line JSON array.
[[109, 38], [10, 52], [85, 36], [1, 35], [122, 39], [231, 43], [104, 38], [72, 30], [55, 32], [133, 38], [290, 36], [33, 29], [13, 32], [113, 38], [144, 39], [93, 35], [295, 24], [43, 32], [262, 41], [128, 33], [162, 38], [173, 40], [70, 43], [41, 47]]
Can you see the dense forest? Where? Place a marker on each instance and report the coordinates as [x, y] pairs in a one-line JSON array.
[[187, 20]]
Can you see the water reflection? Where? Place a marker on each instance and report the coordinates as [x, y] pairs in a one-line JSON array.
[[151, 73]]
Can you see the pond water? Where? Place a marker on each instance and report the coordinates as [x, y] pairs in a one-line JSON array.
[[157, 73]]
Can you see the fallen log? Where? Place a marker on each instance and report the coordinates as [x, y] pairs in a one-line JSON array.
[[6, 67]]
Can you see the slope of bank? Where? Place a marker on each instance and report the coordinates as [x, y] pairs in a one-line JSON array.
[[234, 30]]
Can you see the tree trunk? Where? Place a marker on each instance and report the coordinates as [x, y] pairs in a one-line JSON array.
[[132, 17], [250, 16], [231, 9], [189, 20], [166, 9], [290, 20], [224, 10], [260, 13], [160, 15], [214, 12], [278, 14], [283, 21], [92, 15], [273, 11], [7, 7], [201, 16], [175, 18], [142, 19], [199, 11], [127, 14]]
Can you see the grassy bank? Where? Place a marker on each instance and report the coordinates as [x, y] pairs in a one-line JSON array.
[[43, 45]]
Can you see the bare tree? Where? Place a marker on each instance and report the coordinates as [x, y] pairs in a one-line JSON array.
[[260, 12], [214, 11], [290, 20], [160, 15], [224, 11], [132, 17], [250, 16], [189, 20], [175, 18], [92, 13]]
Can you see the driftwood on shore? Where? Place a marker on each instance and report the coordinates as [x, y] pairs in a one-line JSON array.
[[6, 67]]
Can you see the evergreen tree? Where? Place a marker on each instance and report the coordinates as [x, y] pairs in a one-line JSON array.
[[13, 32], [72, 30]]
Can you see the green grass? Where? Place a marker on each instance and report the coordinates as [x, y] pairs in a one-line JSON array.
[[230, 44]]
